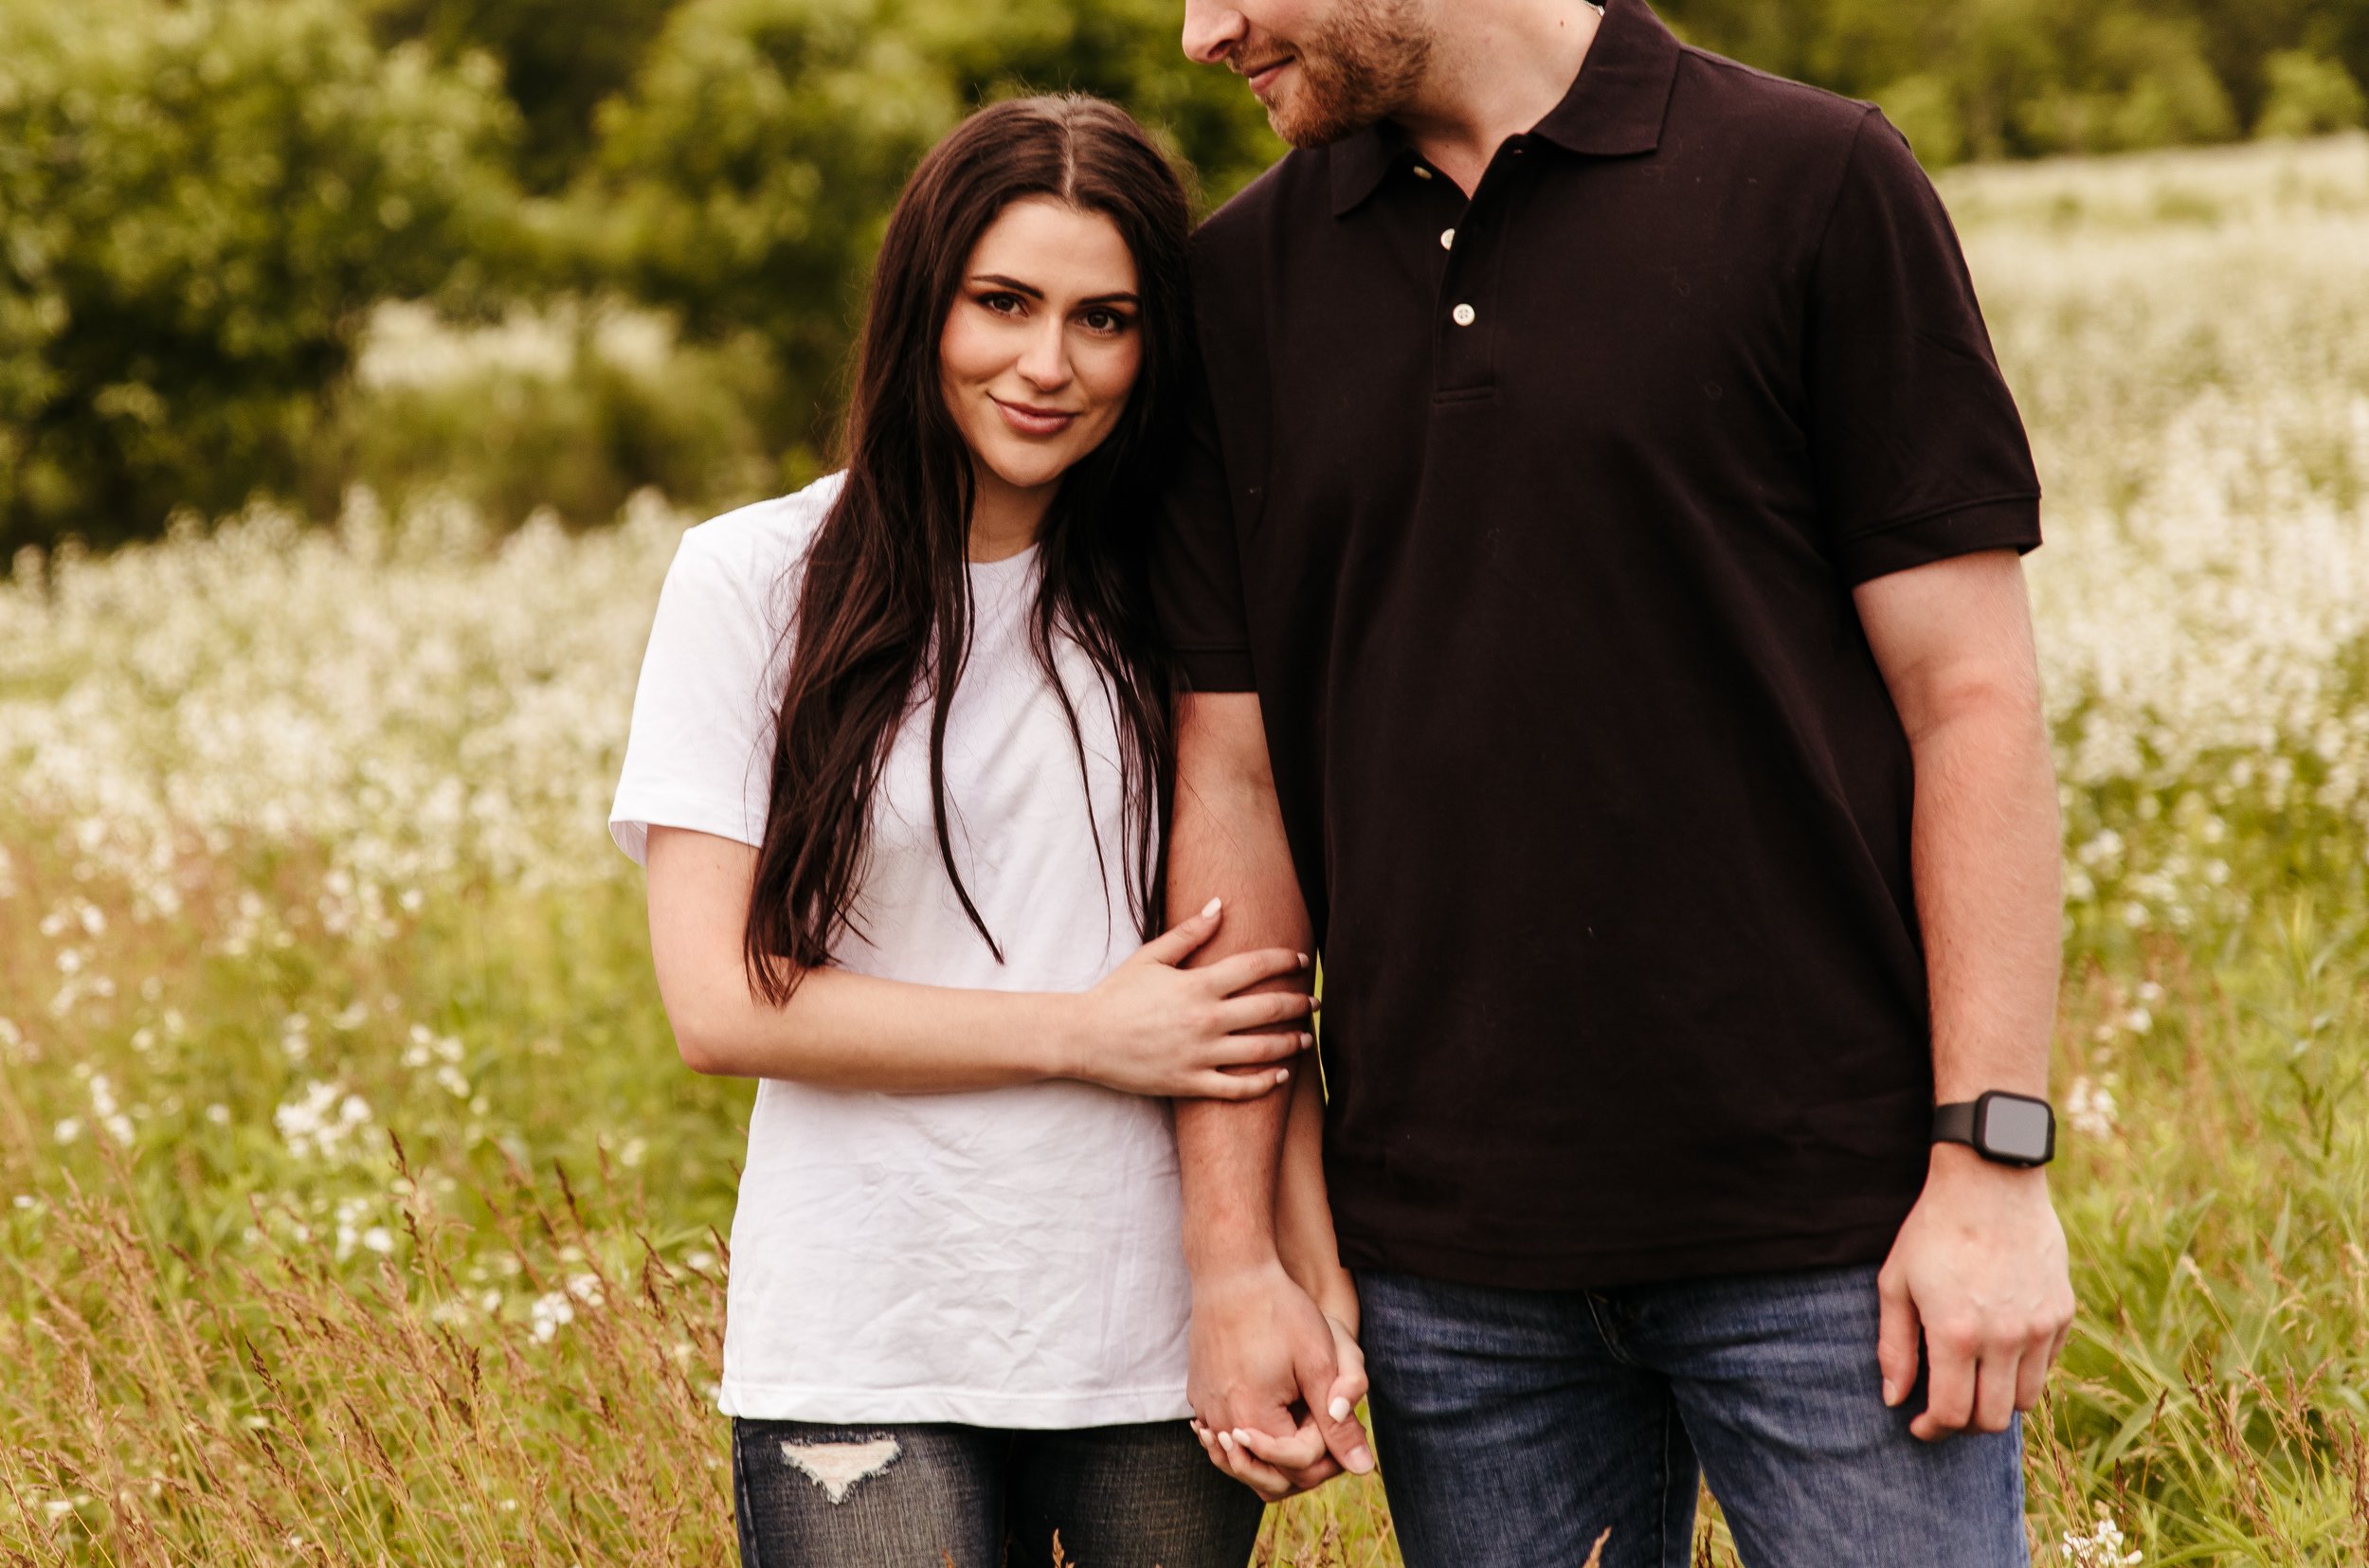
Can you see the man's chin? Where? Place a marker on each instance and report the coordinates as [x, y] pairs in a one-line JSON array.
[[1301, 124]]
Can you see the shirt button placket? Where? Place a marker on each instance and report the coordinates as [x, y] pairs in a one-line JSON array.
[[1464, 357]]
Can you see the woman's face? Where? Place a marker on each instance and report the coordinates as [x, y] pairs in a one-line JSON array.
[[1042, 345]]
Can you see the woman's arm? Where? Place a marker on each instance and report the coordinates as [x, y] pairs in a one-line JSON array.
[[1151, 1028]]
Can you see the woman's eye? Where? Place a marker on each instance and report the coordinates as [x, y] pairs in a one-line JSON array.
[[1003, 304], [1104, 321]]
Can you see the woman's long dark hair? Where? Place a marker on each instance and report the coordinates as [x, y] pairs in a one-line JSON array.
[[884, 611]]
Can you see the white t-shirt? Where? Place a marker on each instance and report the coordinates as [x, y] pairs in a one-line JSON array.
[[1010, 1257]]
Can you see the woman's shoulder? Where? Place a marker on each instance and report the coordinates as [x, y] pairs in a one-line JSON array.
[[756, 545]]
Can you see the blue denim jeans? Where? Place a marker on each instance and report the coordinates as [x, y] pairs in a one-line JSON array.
[[941, 1496], [1516, 1426]]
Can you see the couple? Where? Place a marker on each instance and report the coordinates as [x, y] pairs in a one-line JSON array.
[[1550, 546]]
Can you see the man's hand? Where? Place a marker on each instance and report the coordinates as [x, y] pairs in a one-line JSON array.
[[1980, 1268], [1274, 1381], [1277, 1467]]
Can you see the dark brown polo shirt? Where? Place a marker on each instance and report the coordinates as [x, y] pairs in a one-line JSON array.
[[1533, 521]]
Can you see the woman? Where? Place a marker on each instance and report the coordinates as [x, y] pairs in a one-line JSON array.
[[896, 773]]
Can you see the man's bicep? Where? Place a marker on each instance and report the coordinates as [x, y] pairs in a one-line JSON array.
[[1951, 632]]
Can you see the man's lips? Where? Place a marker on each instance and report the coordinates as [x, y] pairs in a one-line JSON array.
[[1031, 420], [1263, 77]]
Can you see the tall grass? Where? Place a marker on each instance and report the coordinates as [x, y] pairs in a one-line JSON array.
[[355, 1209]]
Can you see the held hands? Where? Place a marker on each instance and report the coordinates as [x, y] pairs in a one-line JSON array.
[[1154, 1028], [1275, 1378], [1980, 1268]]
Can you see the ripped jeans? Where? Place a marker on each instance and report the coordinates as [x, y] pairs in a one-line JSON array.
[[938, 1496]]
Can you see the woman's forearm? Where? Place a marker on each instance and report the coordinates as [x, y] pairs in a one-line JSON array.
[[849, 1031], [838, 1030]]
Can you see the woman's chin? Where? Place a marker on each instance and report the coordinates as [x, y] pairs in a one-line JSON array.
[[1028, 472]]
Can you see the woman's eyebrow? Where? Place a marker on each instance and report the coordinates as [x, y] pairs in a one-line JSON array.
[[1014, 285]]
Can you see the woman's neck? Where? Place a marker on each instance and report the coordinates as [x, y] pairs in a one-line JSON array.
[[1005, 519]]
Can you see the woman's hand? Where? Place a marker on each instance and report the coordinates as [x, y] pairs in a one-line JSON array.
[[1277, 1467], [1152, 1027]]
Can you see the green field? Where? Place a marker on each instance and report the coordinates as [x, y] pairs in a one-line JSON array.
[[354, 1207]]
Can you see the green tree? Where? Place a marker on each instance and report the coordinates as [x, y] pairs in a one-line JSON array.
[[745, 179], [560, 59], [198, 200], [2308, 95]]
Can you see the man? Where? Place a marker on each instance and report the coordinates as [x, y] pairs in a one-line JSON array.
[[1596, 579]]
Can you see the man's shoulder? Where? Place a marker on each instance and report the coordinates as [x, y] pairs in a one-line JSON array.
[[1298, 184], [1761, 109]]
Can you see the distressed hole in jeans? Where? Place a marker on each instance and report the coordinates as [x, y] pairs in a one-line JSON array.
[[836, 1467]]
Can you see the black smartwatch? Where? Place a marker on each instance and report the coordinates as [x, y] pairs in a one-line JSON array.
[[2007, 1130]]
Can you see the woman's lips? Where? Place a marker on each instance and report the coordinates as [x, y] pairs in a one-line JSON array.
[[1032, 422]]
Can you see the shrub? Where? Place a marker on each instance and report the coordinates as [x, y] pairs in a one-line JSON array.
[[746, 179], [2308, 95], [568, 408], [197, 202]]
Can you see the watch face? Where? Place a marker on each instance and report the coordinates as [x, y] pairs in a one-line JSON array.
[[2015, 1128]]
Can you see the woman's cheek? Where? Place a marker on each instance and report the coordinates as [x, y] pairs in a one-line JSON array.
[[1115, 369]]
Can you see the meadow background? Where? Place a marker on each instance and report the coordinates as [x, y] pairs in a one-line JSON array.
[[360, 363]]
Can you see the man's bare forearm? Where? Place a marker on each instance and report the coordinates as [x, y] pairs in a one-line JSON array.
[[1227, 842], [1986, 860], [1977, 1287], [1303, 1208]]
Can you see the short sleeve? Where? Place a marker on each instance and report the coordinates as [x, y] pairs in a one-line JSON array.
[[1197, 572], [699, 753], [1918, 452]]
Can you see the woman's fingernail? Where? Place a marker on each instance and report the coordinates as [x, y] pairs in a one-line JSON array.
[[1225, 1441], [1211, 907], [1303, 960], [1361, 1460], [1340, 1409]]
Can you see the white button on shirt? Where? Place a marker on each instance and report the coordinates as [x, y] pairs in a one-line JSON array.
[[1462, 316], [1447, 239]]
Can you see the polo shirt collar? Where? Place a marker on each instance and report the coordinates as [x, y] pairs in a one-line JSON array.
[[1614, 109]]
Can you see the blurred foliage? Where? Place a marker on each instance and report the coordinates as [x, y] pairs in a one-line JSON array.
[[559, 61], [575, 426], [1993, 78], [745, 178], [200, 200]]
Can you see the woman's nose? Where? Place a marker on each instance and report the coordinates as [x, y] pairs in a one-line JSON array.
[[1045, 364]]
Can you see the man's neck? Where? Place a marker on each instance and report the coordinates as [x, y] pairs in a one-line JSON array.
[[1497, 69]]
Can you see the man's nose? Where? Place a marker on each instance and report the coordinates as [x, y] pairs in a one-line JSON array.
[[1212, 31]]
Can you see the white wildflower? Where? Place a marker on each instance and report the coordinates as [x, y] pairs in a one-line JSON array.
[[2090, 1108], [2100, 1546], [550, 1311], [323, 1121], [106, 1112]]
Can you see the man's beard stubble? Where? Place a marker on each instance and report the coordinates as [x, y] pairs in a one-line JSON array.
[[1359, 67]]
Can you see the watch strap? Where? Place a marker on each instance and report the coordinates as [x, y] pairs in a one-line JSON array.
[[1954, 1123]]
